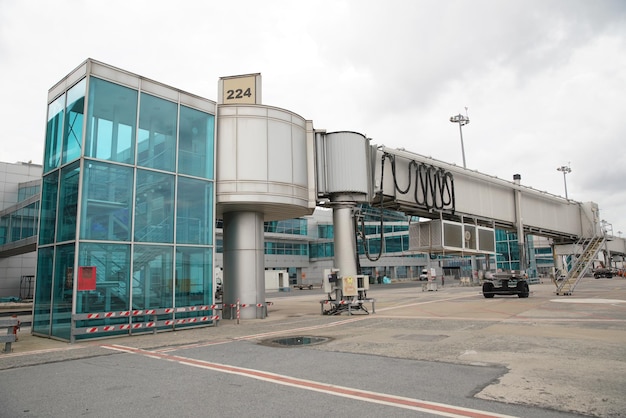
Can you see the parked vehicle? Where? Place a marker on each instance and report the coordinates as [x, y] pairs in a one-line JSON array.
[[506, 283], [599, 273]]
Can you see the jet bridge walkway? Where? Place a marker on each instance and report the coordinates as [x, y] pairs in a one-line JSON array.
[[422, 186]]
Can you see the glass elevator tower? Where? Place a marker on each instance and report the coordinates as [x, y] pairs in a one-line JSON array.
[[128, 207]]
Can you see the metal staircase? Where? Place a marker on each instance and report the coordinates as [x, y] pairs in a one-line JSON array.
[[591, 247]]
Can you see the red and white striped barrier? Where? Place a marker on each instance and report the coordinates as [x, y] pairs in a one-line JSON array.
[[139, 312], [151, 324]]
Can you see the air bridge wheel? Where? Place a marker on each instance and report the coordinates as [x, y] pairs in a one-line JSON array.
[[488, 290], [522, 290]]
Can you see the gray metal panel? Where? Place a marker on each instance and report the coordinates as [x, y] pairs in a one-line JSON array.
[[344, 163], [439, 236], [282, 138], [197, 102], [482, 198], [545, 212], [616, 245], [158, 89], [263, 162], [252, 157], [72, 78], [452, 235], [116, 75], [486, 240]]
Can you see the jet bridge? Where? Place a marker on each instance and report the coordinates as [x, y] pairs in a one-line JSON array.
[[429, 188], [465, 206]]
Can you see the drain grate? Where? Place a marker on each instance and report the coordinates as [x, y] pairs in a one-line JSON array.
[[296, 341]]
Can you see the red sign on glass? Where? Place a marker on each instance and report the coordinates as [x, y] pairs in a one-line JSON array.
[[87, 278]]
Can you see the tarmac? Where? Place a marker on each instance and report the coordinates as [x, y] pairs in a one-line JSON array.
[[564, 353]]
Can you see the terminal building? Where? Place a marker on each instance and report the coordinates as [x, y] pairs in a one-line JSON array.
[[146, 191]]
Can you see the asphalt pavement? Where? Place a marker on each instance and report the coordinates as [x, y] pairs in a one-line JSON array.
[[422, 353]]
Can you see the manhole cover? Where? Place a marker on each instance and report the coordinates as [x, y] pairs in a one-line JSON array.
[[296, 341]]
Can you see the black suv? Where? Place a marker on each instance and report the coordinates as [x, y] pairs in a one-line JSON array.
[[599, 273]]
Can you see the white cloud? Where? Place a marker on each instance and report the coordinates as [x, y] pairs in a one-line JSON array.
[[544, 80]]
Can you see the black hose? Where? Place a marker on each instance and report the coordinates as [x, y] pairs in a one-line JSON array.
[[434, 187]]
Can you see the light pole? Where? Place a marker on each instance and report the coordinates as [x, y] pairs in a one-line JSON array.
[[461, 120], [566, 170]]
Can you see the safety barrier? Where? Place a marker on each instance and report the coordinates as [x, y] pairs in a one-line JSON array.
[[12, 325], [154, 323], [238, 306]]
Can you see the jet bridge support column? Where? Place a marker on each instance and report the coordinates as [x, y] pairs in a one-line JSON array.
[[345, 246], [344, 177], [244, 263]]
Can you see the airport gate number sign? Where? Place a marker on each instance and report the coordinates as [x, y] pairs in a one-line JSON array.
[[239, 90]]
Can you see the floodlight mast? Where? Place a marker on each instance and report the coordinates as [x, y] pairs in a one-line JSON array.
[[462, 121], [566, 170]]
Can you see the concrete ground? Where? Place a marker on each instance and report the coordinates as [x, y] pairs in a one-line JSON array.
[[566, 353]]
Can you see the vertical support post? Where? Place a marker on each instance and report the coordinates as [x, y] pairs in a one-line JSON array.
[[244, 262], [345, 248], [520, 225]]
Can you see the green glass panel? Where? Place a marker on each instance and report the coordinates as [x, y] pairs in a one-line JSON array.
[[107, 199], [54, 134], [112, 263], [42, 306], [23, 222], [68, 203], [15, 223], [47, 220], [195, 143], [154, 207], [62, 291], [152, 280], [73, 128], [4, 229], [194, 276], [156, 140], [194, 220], [24, 192], [111, 122]]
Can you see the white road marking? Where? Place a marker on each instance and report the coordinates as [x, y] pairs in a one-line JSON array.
[[606, 301]]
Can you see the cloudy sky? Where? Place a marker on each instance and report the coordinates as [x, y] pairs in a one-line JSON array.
[[544, 81]]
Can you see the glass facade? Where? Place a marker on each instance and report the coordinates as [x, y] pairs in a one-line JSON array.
[[195, 143], [22, 220], [107, 197], [289, 226], [73, 126], [507, 250], [154, 207], [68, 203], [54, 133], [287, 248], [127, 212], [156, 138], [194, 212], [112, 122], [27, 190]]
